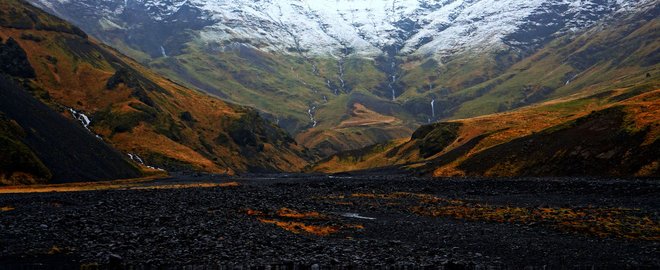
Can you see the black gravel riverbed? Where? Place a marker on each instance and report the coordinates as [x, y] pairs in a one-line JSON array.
[[317, 222]]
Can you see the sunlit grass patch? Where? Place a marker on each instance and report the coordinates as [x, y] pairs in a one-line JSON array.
[[289, 213], [192, 185], [130, 184], [600, 222], [299, 222], [299, 227]]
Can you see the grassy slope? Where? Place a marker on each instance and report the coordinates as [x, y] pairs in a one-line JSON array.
[[285, 87], [476, 84], [167, 124], [624, 73], [492, 136], [468, 85]]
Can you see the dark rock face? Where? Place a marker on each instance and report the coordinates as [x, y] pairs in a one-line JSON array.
[[68, 150], [13, 60]]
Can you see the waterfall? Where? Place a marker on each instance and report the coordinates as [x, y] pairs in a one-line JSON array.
[[341, 75], [162, 50], [315, 70], [331, 88], [433, 107], [310, 111], [572, 78], [392, 87], [84, 120], [139, 160]]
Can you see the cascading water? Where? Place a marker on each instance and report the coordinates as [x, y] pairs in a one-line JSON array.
[[328, 83], [315, 70], [341, 75], [83, 119], [139, 160], [162, 51], [433, 108], [311, 112], [392, 87]]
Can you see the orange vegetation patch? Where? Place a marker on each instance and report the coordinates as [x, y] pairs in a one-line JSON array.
[[299, 227], [6, 209], [286, 212], [602, 222], [129, 184], [298, 222], [143, 139], [424, 198], [192, 185]]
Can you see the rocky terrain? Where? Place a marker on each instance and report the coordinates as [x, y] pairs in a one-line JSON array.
[[313, 221]]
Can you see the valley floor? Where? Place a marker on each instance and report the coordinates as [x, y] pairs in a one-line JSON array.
[[306, 221]]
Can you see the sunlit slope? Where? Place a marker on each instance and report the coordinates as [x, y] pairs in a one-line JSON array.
[[610, 133], [138, 112]]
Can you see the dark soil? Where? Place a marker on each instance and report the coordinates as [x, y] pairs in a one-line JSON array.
[[210, 228]]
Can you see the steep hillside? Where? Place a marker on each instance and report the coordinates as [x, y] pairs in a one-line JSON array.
[[39, 145], [608, 123], [612, 133], [307, 65], [152, 120]]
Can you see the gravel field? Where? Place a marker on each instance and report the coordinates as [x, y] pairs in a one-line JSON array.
[[342, 221]]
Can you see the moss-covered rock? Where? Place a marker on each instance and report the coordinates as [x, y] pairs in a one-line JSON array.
[[432, 139]]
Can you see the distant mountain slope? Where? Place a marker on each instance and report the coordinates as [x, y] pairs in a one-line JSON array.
[[367, 27], [157, 122], [307, 65], [602, 116]]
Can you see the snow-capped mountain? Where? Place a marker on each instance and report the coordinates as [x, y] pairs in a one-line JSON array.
[[365, 27], [344, 74]]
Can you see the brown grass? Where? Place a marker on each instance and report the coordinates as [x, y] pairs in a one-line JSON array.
[[601, 222], [299, 227], [130, 184], [313, 223], [289, 213]]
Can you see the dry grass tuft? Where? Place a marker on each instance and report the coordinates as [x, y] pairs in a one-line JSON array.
[[299, 227]]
